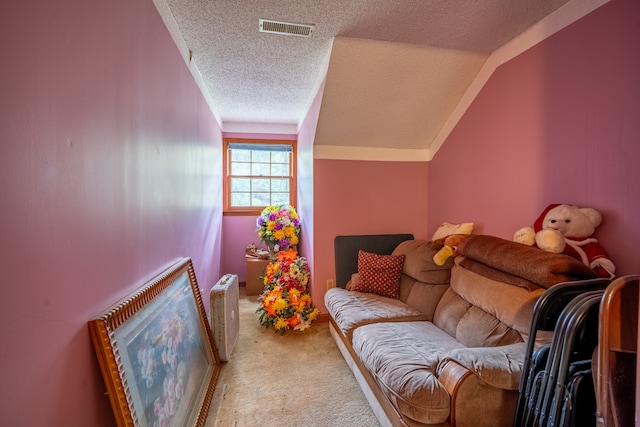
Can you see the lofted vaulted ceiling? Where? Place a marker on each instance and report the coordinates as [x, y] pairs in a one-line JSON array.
[[394, 71]]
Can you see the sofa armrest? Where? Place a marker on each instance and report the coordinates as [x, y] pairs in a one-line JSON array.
[[500, 367], [470, 396]]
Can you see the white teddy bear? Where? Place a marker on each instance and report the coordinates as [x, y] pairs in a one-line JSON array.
[[567, 229]]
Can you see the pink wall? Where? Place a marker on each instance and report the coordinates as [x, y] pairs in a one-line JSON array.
[[238, 231], [111, 170], [306, 193], [364, 197], [109, 160], [557, 124]]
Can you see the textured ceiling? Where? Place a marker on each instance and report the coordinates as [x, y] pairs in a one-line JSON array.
[[394, 69]]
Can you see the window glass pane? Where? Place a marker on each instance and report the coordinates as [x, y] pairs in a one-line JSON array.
[[280, 185], [279, 170], [240, 199], [261, 199], [279, 157], [260, 169], [280, 198], [261, 156], [240, 155], [260, 184], [238, 168], [240, 184]]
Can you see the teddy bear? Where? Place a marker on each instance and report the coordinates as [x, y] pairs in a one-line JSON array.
[[568, 229]]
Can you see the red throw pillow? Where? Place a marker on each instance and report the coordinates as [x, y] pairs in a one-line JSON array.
[[379, 274]]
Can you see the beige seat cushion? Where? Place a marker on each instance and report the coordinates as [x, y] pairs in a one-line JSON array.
[[350, 309], [403, 358]]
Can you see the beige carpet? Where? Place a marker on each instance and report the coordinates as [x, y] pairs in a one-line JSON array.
[[299, 379]]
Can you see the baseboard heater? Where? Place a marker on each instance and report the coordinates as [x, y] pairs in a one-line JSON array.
[[225, 323]]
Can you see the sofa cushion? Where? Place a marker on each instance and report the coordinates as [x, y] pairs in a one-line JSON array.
[[352, 309], [379, 274], [498, 313], [422, 296], [403, 358], [477, 328], [500, 366], [418, 262], [451, 308]]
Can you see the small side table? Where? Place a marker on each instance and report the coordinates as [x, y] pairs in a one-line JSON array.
[[255, 268]]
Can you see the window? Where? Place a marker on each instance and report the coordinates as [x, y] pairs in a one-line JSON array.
[[258, 173]]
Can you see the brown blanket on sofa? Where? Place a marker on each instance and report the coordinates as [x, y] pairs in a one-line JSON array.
[[525, 266]]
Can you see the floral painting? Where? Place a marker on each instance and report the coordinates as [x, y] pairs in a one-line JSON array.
[[156, 352], [165, 355]]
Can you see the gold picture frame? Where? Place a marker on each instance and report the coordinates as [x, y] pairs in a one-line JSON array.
[[157, 354]]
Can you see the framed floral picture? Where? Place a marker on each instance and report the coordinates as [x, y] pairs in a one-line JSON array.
[[156, 352]]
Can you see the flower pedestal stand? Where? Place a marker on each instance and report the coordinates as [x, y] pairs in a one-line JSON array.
[[285, 303]]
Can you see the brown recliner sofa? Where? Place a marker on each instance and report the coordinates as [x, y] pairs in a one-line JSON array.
[[449, 351]]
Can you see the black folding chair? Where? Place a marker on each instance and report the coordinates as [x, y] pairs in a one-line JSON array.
[[542, 395], [546, 313], [579, 395], [579, 340]]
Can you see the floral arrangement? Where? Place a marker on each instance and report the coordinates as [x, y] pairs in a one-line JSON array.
[[279, 227], [285, 303]]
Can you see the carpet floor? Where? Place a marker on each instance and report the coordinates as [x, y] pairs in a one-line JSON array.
[[298, 379]]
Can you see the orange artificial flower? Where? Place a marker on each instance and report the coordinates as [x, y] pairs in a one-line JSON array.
[[290, 255], [305, 300], [293, 321], [271, 310], [294, 300]]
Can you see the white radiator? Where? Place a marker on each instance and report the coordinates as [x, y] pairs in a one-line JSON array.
[[225, 322]]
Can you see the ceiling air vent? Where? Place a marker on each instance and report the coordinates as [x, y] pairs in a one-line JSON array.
[[286, 28]]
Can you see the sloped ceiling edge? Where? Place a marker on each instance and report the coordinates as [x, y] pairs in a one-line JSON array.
[[332, 147]]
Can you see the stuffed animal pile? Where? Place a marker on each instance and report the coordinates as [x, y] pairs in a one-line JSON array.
[[568, 229]]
